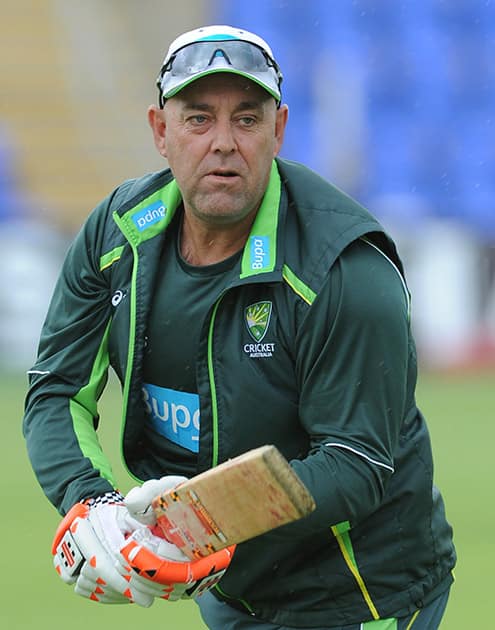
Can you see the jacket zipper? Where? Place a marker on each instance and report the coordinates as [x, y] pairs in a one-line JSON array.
[[211, 378], [214, 408], [132, 342]]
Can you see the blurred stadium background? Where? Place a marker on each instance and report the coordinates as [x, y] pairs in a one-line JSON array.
[[392, 100]]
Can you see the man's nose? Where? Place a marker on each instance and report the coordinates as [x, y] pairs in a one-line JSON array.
[[223, 137]]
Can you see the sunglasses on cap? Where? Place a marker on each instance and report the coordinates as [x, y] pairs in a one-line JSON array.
[[207, 57]]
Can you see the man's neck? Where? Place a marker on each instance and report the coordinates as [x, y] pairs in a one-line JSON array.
[[202, 244]]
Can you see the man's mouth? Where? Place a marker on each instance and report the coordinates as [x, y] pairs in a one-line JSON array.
[[223, 173]]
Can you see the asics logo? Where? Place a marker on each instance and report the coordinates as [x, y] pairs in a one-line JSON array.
[[117, 297]]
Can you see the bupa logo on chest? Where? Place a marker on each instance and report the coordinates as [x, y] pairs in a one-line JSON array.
[[259, 252], [173, 414], [149, 216], [257, 318]]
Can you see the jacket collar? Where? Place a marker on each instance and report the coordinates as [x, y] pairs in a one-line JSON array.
[[263, 252], [262, 245]]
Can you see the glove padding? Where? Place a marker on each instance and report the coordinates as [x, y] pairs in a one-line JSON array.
[[86, 551], [89, 584]]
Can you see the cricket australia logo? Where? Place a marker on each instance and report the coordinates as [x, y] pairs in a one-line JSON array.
[[257, 318]]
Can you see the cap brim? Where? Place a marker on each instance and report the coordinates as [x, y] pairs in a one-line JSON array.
[[251, 76]]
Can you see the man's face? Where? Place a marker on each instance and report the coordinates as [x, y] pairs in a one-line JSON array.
[[220, 135]]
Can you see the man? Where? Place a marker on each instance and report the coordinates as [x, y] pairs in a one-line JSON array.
[[272, 309]]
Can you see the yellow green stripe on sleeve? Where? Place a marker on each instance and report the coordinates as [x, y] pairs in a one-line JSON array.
[[83, 409], [341, 533], [109, 258], [298, 286], [380, 624]]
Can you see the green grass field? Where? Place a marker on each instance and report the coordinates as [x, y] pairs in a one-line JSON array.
[[461, 413]]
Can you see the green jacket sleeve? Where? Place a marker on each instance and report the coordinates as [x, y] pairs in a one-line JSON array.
[[69, 375], [353, 354]]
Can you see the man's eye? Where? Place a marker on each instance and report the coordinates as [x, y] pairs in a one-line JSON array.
[[198, 119], [248, 121]]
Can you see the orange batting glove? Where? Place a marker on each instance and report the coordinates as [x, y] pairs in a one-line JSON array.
[[152, 561]]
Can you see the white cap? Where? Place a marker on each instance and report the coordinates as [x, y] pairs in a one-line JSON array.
[[218, 50]]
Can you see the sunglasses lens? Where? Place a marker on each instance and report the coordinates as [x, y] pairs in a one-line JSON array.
[[204, 56], [200, 56]]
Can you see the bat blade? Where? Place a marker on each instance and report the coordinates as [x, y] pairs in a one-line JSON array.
[[244, 497]]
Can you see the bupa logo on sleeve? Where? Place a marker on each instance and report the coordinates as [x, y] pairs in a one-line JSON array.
[[150, 215], [259, 252]]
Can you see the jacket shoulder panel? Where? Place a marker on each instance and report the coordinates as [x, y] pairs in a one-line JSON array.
[[104, 231], [322, 222]]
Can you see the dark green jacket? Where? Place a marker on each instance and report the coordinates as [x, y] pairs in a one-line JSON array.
[[378, 543]]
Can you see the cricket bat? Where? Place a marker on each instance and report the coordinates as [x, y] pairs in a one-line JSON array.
[[244, 497]]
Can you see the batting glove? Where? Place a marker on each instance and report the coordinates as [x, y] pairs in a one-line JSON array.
[[160, 569], [158, 566], [138, 500], [86, 551]]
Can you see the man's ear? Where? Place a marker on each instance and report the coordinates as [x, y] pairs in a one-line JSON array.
[[280, 124], [156, 120]]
